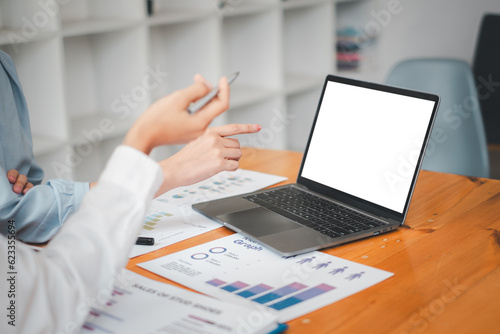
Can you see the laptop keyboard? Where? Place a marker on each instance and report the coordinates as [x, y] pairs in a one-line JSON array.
[[323, 216]]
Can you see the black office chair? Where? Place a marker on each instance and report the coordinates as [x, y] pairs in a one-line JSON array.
[[486, 68]]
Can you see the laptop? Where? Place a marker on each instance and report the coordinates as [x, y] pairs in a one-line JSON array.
[[357, 175]]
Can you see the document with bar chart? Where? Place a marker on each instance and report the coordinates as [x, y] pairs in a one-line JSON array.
[[240, 270], [171, 219], [222, 185], [142, 305]]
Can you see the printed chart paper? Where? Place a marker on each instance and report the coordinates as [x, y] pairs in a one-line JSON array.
[[238, 269], [171, 219], [141, 305]]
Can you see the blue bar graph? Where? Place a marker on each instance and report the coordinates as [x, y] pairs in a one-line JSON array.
[[302, 296], [286, 290], [254, 290], [261, 293], [216, 282], [151, 220], [238, 285]]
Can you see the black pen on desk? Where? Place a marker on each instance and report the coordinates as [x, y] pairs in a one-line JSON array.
[[146, 241]]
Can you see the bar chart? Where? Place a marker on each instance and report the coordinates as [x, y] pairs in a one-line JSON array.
[[151, 221], [221, 185], [171, 219], [97, 317], [303, 296], [236, 269], [141, 305], [255, 290], [224, 185], [276, 298]]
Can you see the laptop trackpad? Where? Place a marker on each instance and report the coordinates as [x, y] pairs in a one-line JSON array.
[[259, 221]]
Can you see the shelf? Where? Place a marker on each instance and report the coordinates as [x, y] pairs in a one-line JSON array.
[[107, 71], [298, 83], [79, 28], [99, 127], [292, 4], [341, 2], [364, 73], [97, 65], [269, 114], [43, 145], [4, 36], [303, 54], [301, 109], [242, 96], [14, 37], [192, 44], [177, 16], [252, 44], [246, 8]]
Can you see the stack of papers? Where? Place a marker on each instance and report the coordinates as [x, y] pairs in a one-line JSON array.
[[171, 219], [256, 289], [240, 270], [141, 305]]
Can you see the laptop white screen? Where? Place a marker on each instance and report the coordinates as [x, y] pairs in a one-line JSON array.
[[367, 142]]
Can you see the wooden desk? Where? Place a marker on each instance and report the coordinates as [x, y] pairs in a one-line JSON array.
[[445, 260]]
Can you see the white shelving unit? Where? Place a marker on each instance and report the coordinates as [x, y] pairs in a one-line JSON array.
[[90, 67]]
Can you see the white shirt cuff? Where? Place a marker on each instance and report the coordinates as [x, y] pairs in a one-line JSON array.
[[133, 170]]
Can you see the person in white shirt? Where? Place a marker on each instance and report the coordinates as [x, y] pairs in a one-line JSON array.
[[51, 290], [40, 212]]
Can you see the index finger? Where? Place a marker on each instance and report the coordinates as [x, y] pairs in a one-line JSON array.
[[236, 129]]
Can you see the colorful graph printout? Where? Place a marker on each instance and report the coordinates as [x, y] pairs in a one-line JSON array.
[[171, 219], [303, 296], [255, 290], [238, 285], [249, 274], [152, 220], [142, 305]]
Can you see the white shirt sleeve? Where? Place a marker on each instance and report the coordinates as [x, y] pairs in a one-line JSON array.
[[54, 288]]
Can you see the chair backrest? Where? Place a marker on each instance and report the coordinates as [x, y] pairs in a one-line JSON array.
[[458, 142], [486, 68]]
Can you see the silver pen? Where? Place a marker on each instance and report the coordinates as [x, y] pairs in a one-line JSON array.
[[195, 106]]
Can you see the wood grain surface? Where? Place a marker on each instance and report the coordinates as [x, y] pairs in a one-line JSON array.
[[445, 259]]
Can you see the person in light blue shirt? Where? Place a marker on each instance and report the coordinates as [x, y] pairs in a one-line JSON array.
[[40, 212]]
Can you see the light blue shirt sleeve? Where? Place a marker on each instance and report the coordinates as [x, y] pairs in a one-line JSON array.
[[39, 213]]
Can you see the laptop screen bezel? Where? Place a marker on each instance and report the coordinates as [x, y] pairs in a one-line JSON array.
[[350, 200]]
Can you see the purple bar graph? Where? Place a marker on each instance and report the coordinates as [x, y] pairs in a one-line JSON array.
[[216, 282], [92, 327], [235, 286], [302, 296], [286, 290], [254, 290]]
